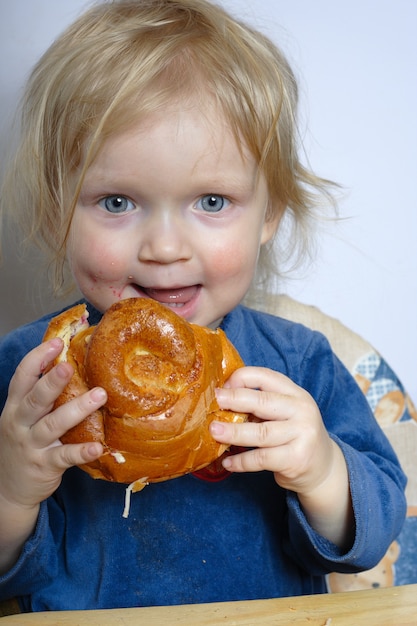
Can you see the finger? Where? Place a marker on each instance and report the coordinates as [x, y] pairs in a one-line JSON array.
[[262, 378], [54, 425], [250, 435], [65, 456], [32, 366], [40, 399], [256, 460], [268, 405]]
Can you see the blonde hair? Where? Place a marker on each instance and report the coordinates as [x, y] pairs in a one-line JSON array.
[[123, 59]]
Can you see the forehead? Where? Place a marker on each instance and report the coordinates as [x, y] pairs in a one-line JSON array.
[[196, 128]]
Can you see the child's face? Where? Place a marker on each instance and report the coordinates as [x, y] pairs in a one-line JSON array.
[[171, 210]]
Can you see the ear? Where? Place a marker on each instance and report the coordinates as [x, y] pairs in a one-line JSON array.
[[273, 217]]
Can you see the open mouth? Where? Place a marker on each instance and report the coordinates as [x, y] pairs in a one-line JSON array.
[[176, 297]]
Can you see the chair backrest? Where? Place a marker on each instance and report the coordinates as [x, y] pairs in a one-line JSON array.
[[394, 411]]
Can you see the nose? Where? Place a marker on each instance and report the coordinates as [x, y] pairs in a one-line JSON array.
[[164, 238]]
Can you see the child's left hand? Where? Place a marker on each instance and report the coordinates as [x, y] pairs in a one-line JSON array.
[[290, 440]]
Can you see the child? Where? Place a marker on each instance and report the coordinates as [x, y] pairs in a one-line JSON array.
[[158, 159]]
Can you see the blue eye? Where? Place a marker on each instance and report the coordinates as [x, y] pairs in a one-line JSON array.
[[212, 203], [116, 204]]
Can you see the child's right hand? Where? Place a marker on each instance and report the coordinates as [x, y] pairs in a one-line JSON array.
[[32, 459]]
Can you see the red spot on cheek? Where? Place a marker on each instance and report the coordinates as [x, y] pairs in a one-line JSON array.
[[116, 292]]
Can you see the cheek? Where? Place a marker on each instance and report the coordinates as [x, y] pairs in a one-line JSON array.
[[236, 250], [231, 261], [94, 263]]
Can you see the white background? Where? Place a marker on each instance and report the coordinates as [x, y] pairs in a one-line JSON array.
[[356, 64]]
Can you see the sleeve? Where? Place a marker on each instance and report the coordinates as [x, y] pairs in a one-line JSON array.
[[377, 482], [37, 564]]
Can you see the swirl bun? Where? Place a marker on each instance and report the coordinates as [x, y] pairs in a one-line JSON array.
[[160, 373]]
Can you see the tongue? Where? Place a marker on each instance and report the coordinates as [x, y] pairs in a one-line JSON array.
[[172, 296]]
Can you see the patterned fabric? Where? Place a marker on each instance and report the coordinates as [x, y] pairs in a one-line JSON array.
[[397, 416]]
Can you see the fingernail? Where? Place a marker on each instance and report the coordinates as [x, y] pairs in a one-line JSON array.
[[98, 394], [56, 342], [217, 428], [62, 370], [220, 394], [93, 450]]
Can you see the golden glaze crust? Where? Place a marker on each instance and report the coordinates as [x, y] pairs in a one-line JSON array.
[[160, 373]]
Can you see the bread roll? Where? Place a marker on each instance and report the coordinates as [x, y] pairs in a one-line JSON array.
[[160, 373]]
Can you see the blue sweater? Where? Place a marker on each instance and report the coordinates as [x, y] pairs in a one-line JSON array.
[[191, 540]]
